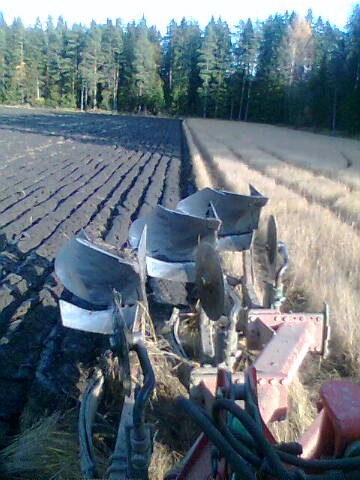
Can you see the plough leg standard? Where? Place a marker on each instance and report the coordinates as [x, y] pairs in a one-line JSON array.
[[233, 408]]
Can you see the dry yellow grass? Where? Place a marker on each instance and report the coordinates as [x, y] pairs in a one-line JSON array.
[[331, 184], [324, 250], [300, 416], [46, 451]]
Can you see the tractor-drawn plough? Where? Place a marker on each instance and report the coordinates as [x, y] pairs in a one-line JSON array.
[[232, 408]]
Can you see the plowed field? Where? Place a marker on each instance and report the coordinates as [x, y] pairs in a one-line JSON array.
[[59, 173]]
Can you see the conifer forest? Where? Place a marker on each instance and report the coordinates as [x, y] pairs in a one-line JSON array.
[[287, 70]]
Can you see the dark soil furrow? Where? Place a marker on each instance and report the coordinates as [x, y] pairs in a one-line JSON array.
[[38, 175], [10, 162], [40, 169], [26, 203], [149, 190], [154, 192], [118, 224], [98, 221], [171, 192], [42, 212]]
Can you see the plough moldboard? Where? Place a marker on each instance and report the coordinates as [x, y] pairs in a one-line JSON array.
[[232, 407]]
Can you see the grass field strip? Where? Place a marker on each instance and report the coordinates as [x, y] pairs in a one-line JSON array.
[[324, 250]]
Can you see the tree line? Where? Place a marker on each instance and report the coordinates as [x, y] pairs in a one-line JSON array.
[[284, 70]]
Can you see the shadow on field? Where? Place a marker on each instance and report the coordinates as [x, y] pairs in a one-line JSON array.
[[104, 129]]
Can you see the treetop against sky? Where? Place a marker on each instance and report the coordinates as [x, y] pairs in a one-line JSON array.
[[160, 12]]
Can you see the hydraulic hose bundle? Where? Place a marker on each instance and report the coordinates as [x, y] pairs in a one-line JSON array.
[[252, 453]]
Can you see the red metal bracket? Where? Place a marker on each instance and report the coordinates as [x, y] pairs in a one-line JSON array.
[[288, 338], [338, 423]]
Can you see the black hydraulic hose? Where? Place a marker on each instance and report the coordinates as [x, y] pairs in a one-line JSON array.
[[246, 420], [239, 444], [343, 464], [144, 393], [339, 464], [293, 448], [236, 462]]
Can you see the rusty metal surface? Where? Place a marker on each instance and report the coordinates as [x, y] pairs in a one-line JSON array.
[[197, 464], [317, 440], [263, 323]]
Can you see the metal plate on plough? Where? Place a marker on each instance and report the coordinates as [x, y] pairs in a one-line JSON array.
[[91, 273], [95, 321], [239, 214], [171, 241], [173, 236], [210, 281], [272, 242]]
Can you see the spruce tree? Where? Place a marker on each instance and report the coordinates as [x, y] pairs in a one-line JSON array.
[[214, 65], [3, 29], [147, 86], [112, 54]]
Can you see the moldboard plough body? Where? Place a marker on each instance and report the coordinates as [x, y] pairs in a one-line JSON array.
[[232, 407]]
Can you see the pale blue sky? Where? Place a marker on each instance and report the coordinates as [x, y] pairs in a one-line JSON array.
[[160, 12]]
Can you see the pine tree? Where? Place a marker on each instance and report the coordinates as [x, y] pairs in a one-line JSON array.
[[35, 63], [52, 64], [350, 111], [245, 56], [329, 71], [214, 65], [270, 82], [3, 32], [180, 67], [147, 86], [112, 52], [68, 63], [15, 64], [90, 66]]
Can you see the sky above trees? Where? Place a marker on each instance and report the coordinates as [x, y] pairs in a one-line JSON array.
[[160, 12]]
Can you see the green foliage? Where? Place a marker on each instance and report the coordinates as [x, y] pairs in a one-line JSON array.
[[245, 54], [214, 65], [147, 85], [112, 47], [180, 70], [290, 70]]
